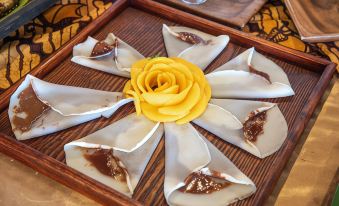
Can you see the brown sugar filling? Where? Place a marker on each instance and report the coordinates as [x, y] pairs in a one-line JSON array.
[[260, 73], [190, 38], [198, 183], [101, 48], [106, 163], [31, 107], [254, 125]]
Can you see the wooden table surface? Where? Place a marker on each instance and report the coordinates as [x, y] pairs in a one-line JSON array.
[[315, 174], [306, 180]]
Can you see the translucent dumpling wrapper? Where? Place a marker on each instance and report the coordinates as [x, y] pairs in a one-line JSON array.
[[132, 141], [188, 152], [193, 45], [249, 75], [38, 108], [225, 119], [116, 58]]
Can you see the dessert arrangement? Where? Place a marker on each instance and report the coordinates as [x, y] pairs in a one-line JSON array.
[[169, 94]]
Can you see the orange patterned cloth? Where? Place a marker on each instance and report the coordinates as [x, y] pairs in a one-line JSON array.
[[24, 49]]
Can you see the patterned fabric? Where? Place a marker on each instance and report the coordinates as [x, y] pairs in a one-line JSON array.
[[24, 49], [30, 44], [273, 22]]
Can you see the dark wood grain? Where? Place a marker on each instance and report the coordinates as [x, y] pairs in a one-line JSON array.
[[235, 12], [309, 76]]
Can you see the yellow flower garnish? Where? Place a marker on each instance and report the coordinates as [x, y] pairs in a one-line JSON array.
[[168, 89]]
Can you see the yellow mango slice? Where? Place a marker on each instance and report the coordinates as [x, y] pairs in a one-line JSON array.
[[141, 63], [150, 80], [158, 60], [168, 89], [136, 101], [141, 81], [127, 87], [182, 69], [198, 109], [180, 77], [160, 99], [152, 113], [185, 106]]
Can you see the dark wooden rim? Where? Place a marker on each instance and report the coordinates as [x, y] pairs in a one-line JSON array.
[[82, 183]]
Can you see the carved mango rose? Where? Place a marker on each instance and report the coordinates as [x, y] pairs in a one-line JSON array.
[[168, 89]]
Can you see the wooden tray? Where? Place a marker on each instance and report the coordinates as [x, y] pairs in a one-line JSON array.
[[139, 23], [317, 20], [236, 12]]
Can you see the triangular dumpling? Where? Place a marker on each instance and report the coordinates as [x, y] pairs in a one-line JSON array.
[[249, 75], [131, 141], [193, 45], [225, 118], [115, 56], [197, 173], [38, 108]]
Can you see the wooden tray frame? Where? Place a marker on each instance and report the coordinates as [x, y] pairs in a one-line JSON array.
[[107, 196]]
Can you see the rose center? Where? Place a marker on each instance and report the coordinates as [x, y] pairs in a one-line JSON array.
[[168, 89]]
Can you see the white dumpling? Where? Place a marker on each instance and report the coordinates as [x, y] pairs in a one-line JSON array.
[[225, 118], [69, 106], [201, 54], [132, 139], [118, 61], [187, 151], [234, 79]]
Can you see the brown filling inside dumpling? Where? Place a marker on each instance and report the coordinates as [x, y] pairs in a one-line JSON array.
[[198, 183], [29, 109], [254, 125], [106, 163]]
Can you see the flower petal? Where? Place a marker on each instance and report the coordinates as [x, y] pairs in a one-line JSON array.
[[69, 105], [201, 54], [219, 120], [134, 141], [234, 79], [126, 56], [185, 106], [187, 151]]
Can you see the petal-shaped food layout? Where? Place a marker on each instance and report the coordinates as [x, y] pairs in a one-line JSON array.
[[116, 155], [38, 108], [193, 45], [111, 55], [257, 127], [249, 75], [197, 173]]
